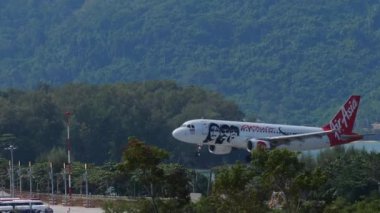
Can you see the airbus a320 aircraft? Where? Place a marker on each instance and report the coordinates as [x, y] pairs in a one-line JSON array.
[[221, 136]]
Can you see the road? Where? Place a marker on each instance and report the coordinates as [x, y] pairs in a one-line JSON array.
[[74, 209]]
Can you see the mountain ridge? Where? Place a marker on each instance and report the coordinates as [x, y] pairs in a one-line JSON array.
[[282, 61]]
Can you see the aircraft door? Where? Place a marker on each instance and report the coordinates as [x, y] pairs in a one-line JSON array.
[[204, 129]]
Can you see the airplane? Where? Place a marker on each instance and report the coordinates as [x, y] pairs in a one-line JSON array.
[[221, 136]]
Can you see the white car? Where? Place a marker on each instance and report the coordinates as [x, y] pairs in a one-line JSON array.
[[30, 206]]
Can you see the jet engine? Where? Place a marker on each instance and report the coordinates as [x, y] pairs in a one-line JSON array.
[[219, 150], [257, 144]]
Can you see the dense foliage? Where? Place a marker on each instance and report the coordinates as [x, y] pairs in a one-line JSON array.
[[280, 60], [338, 180], [281, 181], [104, 117]]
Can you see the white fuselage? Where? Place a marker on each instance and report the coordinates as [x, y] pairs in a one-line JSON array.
[[237, 134]]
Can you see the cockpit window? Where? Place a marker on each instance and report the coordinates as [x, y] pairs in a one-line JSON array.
[[190, 126]]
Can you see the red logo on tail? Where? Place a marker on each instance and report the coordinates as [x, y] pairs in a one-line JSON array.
[[343, 122]]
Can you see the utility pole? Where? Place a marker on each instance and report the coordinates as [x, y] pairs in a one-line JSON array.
[[51, 174], [12, 189], [87, 204], [19, 177], [30, 180], [65, 182], [10, 176], [68, 115]]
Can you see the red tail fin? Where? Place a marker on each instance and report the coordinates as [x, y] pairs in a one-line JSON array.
[[343, 123]]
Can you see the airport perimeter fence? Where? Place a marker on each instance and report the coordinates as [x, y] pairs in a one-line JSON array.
[[62, 199]]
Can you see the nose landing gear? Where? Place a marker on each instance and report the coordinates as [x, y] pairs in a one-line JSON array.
[[199, 150]]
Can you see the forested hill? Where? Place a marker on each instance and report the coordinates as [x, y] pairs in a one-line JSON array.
[[104, 117], [285, 61]]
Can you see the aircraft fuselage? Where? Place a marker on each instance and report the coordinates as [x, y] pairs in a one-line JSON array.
[[236, 134]]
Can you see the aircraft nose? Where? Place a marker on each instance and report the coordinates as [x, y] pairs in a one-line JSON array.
[[179, 134]]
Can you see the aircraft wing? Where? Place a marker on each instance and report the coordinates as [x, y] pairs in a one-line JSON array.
[[285, 139]]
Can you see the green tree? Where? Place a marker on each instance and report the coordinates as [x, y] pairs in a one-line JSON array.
[[369, 204], [351, 174], [40, 173], [176, 184], [57, 156], [282, 171], [245, 188], [4, 175], [144, 161], [238, 189], [100, 178]]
